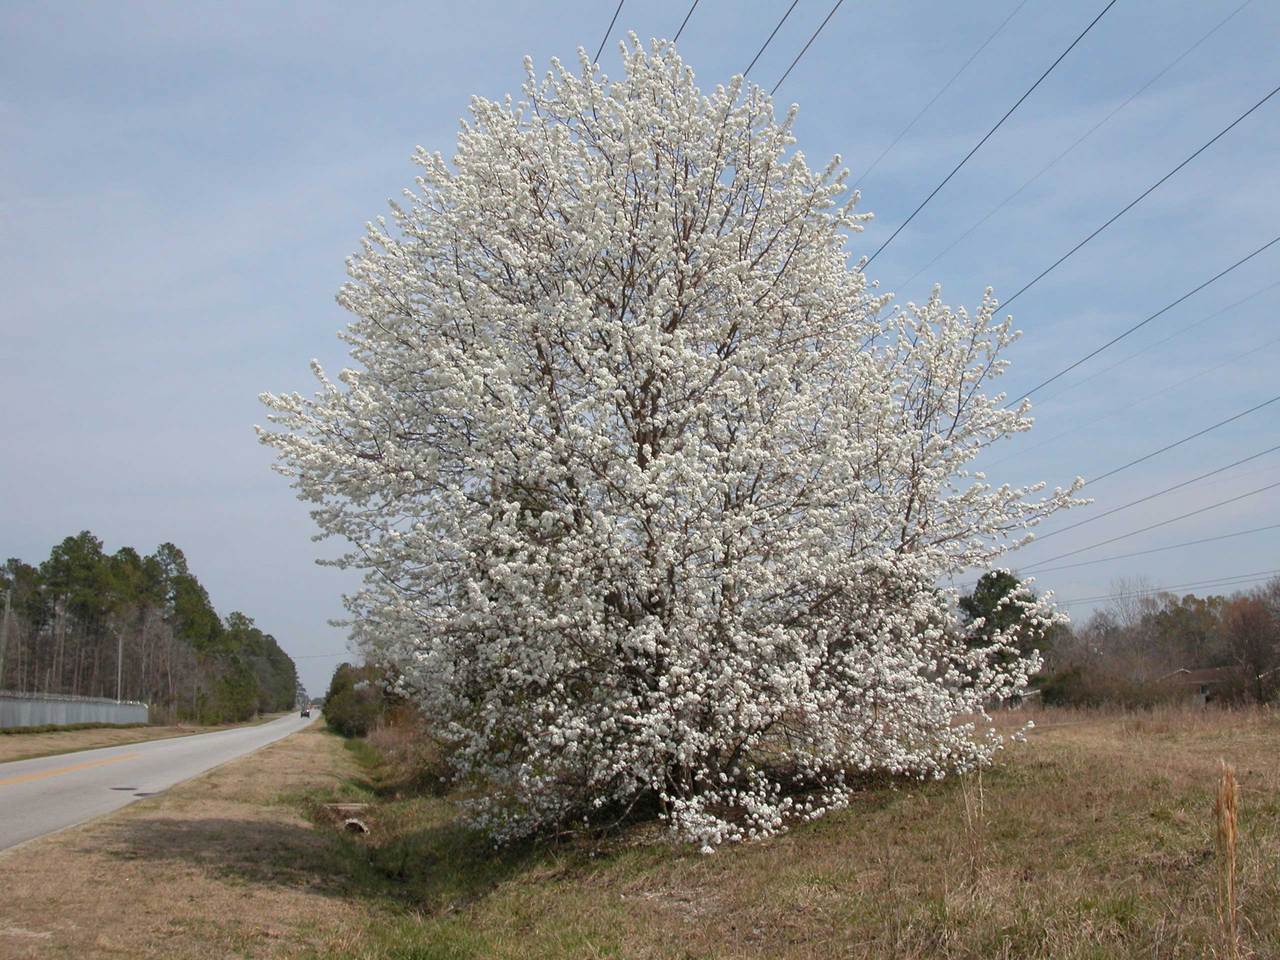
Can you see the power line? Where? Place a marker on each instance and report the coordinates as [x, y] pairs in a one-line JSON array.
[[609, 30], [805, 48], [1159, 343], [1158, 493], [1141, 400], [1056, 160], [1135, 403], [1178, 443], [1238, 580], [770, 40], [1145, 193], [945, 87], [1142, 323], [685, 21], [1162, 523], [989, 133], [1172, 546], [1147, 498]]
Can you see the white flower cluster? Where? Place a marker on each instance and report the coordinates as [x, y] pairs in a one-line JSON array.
[[652, 491]]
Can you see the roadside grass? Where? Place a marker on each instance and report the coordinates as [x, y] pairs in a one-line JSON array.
[[1093, 840], [28, 743], [222, 865], [65, 727]]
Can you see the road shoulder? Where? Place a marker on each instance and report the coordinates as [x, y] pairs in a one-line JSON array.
[[19, 745], [221, 865]]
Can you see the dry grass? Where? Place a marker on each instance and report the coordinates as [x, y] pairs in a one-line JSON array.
[[1226, 814], [1097, 839], [17, 745]]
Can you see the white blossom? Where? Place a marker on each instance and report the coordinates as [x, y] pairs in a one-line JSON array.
[[652, 489]]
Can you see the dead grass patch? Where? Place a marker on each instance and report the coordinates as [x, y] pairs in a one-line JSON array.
[[1093, 840], [19, 745], [1096, 839], [220, 866]]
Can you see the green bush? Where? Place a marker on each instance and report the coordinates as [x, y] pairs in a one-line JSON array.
[[356, 700]]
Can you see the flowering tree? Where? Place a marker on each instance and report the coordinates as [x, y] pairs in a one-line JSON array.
[[652, 493]]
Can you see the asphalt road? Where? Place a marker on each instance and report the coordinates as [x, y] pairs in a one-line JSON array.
[[46, 794]]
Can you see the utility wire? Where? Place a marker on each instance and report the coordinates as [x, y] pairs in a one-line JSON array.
[[770, 40], [1178, 443], [685, 21], [1237, 580], [1252, 351], [1172, 546], [1159, 493], [605, 38], [1153, 526], [945, 87], [1142, 323], [805, 48], [989, 133], [1138, 199], [1060, 157], [1149, 497], [1160, 343]]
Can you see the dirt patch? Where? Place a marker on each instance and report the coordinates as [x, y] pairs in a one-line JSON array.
[[223, 865]]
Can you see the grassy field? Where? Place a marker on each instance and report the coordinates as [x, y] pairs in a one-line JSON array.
[[1093, 840], [18, 743]]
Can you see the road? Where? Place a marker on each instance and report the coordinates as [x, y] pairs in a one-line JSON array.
[[46, 794]]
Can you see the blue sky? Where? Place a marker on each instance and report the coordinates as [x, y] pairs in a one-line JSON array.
[[180, 185]]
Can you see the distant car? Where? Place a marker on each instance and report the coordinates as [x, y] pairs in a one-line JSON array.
[[306, 711]]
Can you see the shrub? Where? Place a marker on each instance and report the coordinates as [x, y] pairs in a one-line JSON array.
[[355, 701]]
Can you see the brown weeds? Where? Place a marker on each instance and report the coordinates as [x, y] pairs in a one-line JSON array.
[[1226, 808], [975, 821]]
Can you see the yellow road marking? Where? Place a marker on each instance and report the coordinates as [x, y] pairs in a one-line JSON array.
[[42, 774]]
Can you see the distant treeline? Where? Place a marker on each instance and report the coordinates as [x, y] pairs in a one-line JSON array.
[[1125, 652], [1129, 651], [80, 614]]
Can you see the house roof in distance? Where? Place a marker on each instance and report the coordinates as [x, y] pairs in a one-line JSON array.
[[1206, 675]]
